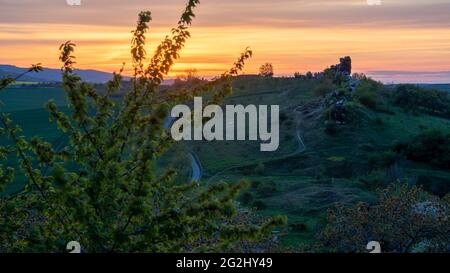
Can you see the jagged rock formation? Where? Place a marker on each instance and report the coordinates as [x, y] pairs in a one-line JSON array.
[[342, 74], [345, 65]]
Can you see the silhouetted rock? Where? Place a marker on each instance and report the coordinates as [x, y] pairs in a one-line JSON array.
[[345, 65]]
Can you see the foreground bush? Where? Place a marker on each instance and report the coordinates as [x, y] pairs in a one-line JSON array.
[[404, 220], [101, 188]]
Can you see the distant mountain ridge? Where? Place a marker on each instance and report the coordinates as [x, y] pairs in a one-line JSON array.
[[53, 74]]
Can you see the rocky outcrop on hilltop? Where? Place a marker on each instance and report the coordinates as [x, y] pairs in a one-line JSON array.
[[342, 75], [345, 65]]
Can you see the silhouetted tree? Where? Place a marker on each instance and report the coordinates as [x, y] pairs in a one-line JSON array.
[[266, 70]]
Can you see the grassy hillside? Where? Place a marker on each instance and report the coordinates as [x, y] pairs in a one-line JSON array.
[[315, 168]]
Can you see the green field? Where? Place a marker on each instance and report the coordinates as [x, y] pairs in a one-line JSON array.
[[26, 105]]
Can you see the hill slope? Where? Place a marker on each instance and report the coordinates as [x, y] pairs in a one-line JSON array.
[[315, 169]]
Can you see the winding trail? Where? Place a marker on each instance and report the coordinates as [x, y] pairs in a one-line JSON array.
[[196, 167], [301, 146]]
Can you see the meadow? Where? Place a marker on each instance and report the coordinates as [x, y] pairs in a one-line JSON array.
[[26, 106]]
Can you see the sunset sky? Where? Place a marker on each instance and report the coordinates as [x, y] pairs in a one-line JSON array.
[[399, 40]]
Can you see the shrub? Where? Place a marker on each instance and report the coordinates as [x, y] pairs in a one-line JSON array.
[[260, 168], [255, 185], [102, 188], [283, 117], [431, 147], [368, 99], [267, 189], [298, 227], [403, 220], [355, 113], [379, 121], [423, 127], [382, 159], [439, 186], [266, 70], [324, 88], [359, 76], [342, 92], [330, 128], [259, 205], [412, 97], [247, 198], [374, 180], [368, 92], [299, 75]]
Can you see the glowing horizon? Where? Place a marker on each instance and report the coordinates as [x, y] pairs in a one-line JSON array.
[[389, 42]]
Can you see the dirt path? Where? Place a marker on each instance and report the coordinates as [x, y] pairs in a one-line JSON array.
[[196, 167], [301, 148]]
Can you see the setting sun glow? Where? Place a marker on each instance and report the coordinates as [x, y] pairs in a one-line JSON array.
[[390, 41]]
